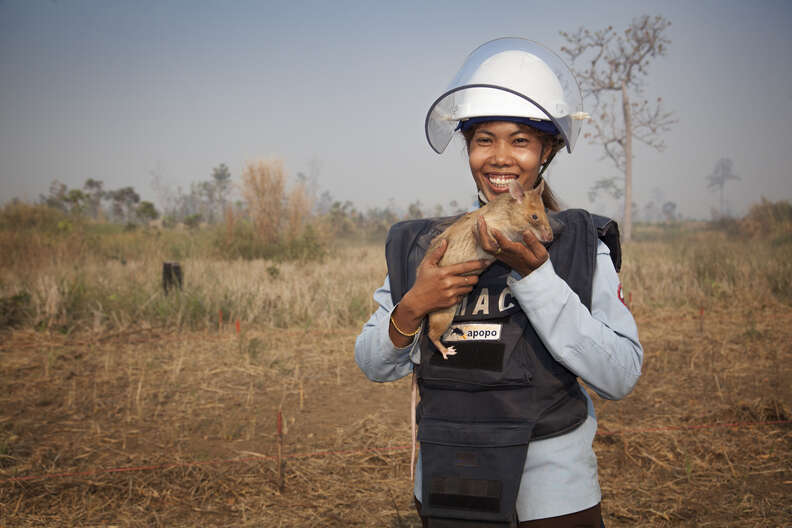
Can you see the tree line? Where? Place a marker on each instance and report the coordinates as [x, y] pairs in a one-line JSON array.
[[92, 200], [210, 202], [262, 192]]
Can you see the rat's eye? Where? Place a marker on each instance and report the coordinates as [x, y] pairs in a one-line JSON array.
[[535, 217]]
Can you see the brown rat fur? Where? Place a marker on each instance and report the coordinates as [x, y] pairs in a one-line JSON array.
[[511, 213]]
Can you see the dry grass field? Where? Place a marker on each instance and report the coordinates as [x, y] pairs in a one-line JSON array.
[[123, 407]]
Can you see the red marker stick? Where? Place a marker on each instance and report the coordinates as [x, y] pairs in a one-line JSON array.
[[281, 482]]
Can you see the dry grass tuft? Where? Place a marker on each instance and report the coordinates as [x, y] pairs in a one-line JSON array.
[[263, 185]]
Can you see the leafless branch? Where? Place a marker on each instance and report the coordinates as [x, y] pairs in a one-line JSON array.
[[609, 186], [608, 132], [650, 121]]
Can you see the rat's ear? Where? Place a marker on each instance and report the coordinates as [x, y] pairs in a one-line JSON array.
[[539, 189], [516, 190]]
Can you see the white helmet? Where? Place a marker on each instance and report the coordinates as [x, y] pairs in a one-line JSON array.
[[509, 77]]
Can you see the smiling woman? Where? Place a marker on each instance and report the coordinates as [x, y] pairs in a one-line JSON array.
[[501, 151], [505, 427]]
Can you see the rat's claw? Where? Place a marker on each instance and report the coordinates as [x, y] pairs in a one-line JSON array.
[[451, 351]]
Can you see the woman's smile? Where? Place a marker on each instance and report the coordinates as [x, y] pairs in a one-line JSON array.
[[500, 181]]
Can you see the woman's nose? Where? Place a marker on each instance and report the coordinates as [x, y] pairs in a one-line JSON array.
[[501, 154]]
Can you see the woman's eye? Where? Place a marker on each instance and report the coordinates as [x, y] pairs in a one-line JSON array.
[[521, 141]]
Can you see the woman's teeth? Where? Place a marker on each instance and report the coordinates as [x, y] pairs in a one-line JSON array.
[[500, 182]]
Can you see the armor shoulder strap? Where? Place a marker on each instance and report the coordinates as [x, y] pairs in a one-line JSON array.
[[608, 232]]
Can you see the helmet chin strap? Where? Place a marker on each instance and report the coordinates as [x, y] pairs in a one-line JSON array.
[[545, 165]]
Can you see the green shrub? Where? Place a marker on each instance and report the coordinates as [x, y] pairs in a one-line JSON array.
[[243, 242], [22, 216], [192, 221], [273, 271]]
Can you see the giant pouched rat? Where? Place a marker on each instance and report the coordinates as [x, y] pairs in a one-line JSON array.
[[511, 213]]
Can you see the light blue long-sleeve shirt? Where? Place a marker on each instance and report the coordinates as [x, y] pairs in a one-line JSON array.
[[601, 347]]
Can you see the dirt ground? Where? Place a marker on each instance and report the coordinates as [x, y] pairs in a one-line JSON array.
[[157, 428]]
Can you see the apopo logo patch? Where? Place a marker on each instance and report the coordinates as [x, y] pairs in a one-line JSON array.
[[472, 332]]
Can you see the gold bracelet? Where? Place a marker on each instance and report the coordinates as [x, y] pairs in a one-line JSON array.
[[405, 334]]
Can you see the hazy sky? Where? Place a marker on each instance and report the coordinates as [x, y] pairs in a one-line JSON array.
[[117, 91]]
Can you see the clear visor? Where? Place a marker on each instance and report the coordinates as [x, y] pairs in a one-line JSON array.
[[508, 77]]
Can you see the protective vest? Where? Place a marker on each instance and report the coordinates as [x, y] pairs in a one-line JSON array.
[[480, 408]]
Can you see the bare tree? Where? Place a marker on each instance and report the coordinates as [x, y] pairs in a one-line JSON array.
[[669, 211], [222, 185], [612, 72], [722, 173]]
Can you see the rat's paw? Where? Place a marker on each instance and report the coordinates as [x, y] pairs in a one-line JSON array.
[[446, 351]]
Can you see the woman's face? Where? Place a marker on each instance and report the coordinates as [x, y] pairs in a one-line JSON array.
[[501, 151]]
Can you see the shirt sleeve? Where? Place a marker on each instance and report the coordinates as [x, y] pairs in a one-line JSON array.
[[375, 353], [601, 346]]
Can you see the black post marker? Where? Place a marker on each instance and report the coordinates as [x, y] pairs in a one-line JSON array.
[[171, 276]]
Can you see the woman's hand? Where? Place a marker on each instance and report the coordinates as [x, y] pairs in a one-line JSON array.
[[435, 287], [521, 258]]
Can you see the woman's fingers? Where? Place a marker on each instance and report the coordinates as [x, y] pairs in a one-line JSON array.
[[449, 290], [434, 256], [533, 244], [535, 249], [504, 243], [463, 268], [455, 284], [523, 258], [485, 239], [439, 286]]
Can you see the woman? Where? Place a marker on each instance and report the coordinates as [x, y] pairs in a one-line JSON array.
[[506, 430]]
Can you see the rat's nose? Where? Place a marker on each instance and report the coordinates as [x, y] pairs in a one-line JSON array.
[[547, 235]]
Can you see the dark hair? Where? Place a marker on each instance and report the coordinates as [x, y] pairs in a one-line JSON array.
[[555, 144]]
